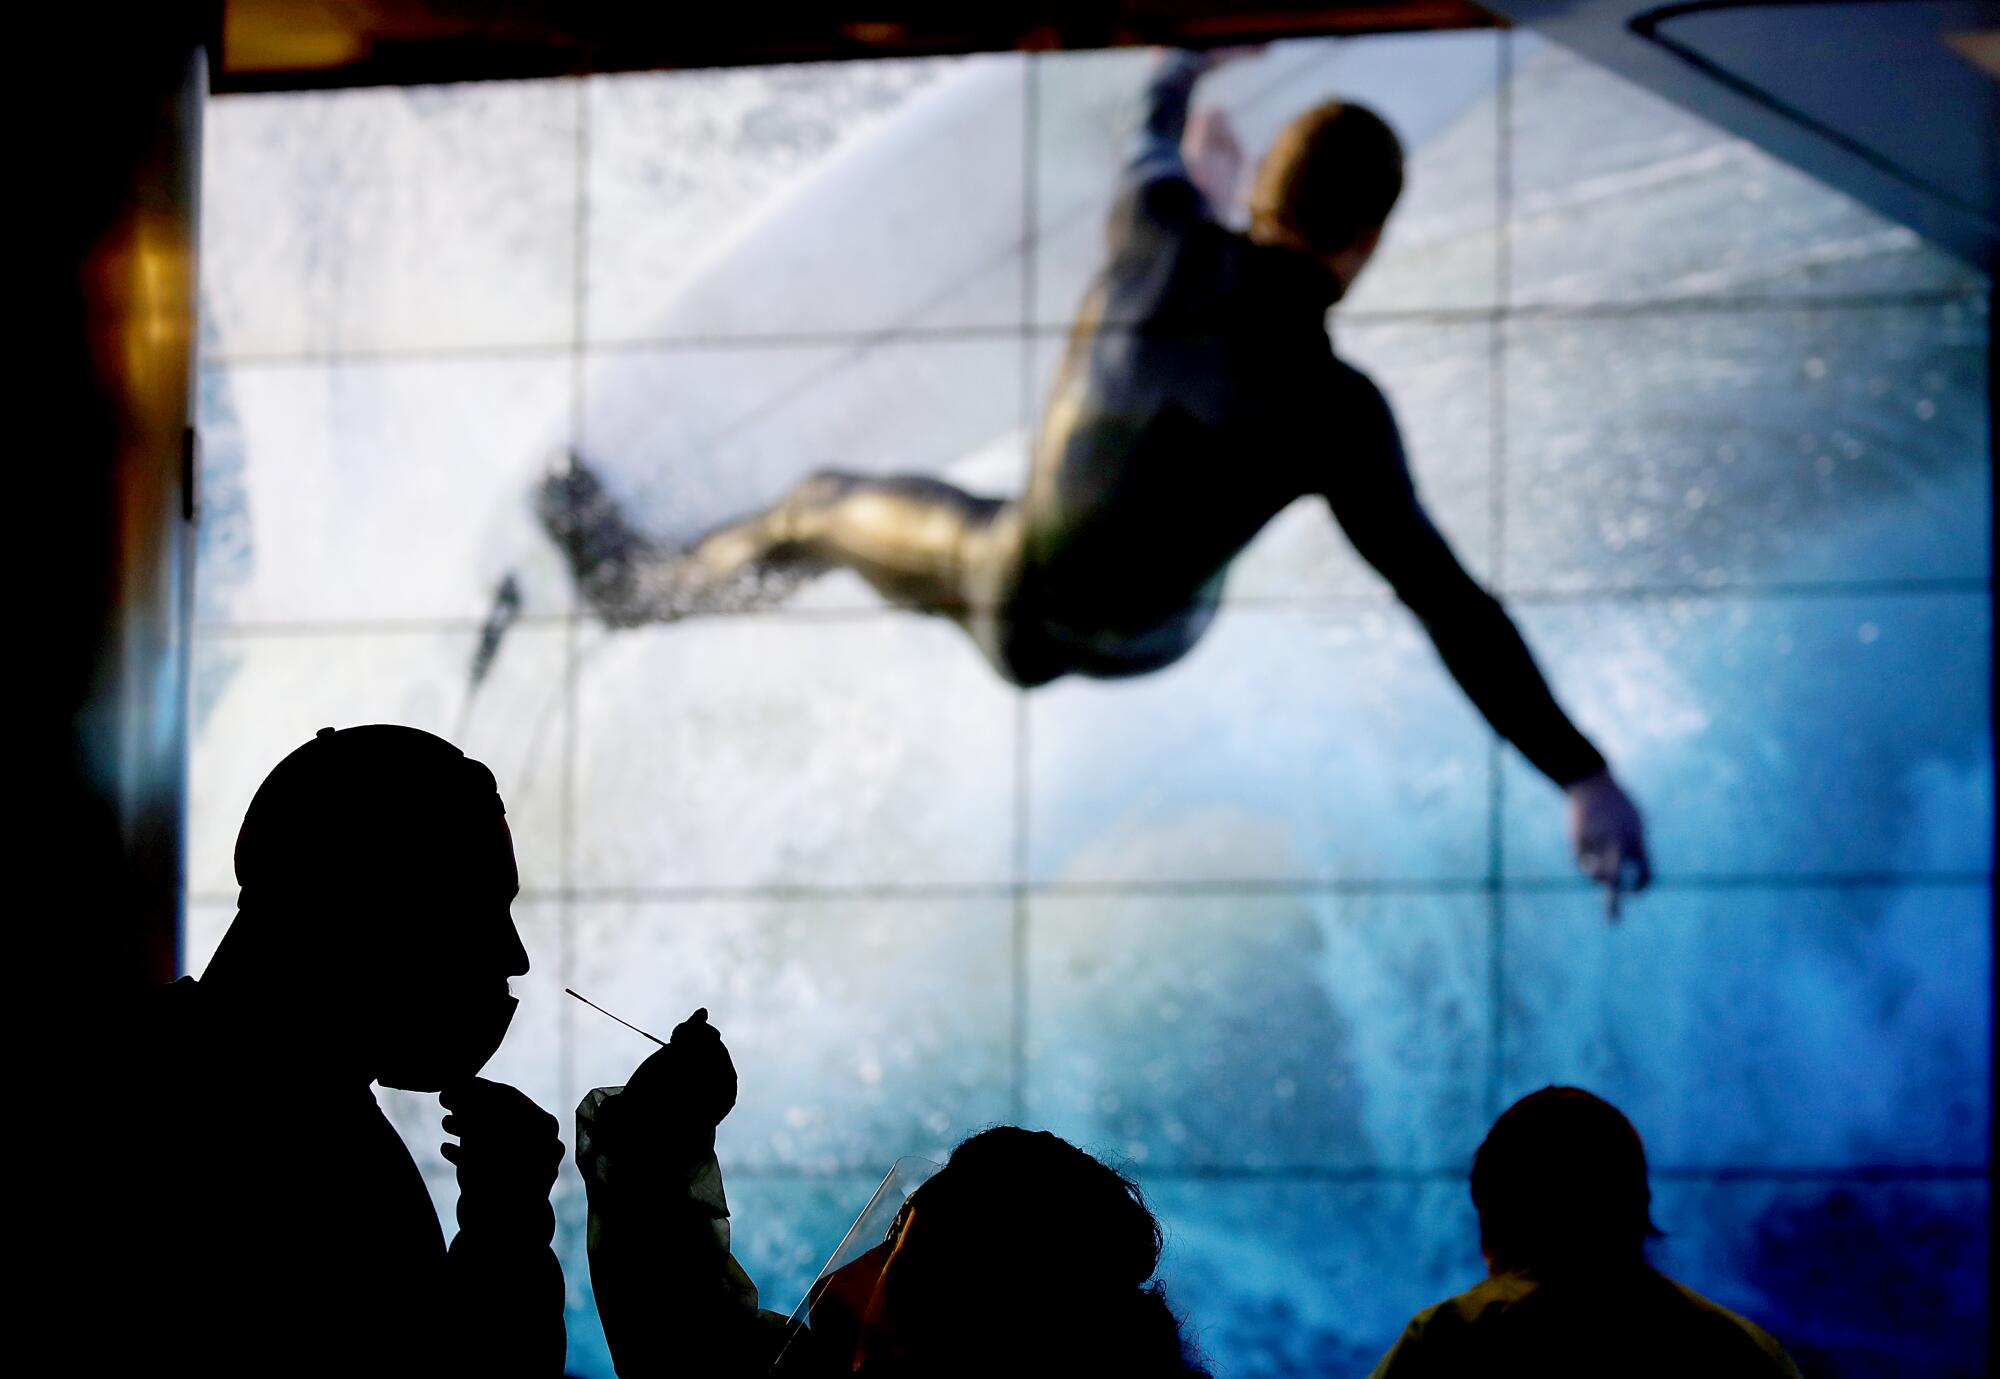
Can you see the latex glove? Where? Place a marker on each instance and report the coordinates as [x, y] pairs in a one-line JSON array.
[[688, 1086]]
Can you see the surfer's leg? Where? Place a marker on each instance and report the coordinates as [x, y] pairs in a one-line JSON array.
[[920, 543], [914, 539], [625, 577]]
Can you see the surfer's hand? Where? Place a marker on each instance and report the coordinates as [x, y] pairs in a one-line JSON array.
[[1214, 158], [1608, 837]]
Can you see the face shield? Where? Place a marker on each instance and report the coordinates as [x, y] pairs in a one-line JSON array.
[[843, 1304]]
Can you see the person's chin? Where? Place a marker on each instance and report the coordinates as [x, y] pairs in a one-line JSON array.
[[430, 1083], [453, 1050], [432, 1076]]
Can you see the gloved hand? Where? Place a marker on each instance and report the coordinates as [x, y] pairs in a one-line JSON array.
[[507, 1156], [684, 1089]]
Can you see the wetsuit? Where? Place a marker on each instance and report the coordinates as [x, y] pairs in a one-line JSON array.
[[1199, 397]]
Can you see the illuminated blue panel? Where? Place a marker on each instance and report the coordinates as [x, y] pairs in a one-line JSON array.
[[1267, 1031], [1789, 736], [1288, 1279], [1291, 745], [823, 752], [1794, 1026], [1856, 1277], [395, 219], [385, 491], [266, 692], [861, 1030], [1704, 449], [910, 176]]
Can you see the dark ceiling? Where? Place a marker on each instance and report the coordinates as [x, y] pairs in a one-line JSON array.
[[1884, 99], [291, 44]]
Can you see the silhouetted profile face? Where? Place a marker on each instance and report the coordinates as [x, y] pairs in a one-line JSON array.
[[378, 870], [1560, 1185]]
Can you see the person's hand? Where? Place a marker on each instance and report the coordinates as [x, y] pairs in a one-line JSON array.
[[1214, 157], [1608, 837], [690, 1082], [507, 1153]]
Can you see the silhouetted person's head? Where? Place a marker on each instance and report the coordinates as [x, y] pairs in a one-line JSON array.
[[378, 876], [1327, 186], [1560, 1185], [1025, 1256]]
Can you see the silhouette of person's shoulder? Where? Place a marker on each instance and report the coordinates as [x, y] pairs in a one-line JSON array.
[[176, 1047], [184, 1082], [1637, 1323], [198, 1087], [1734, 1335], [1451, 1336], [249, 1159], [172, 1012], [159, 1035]]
